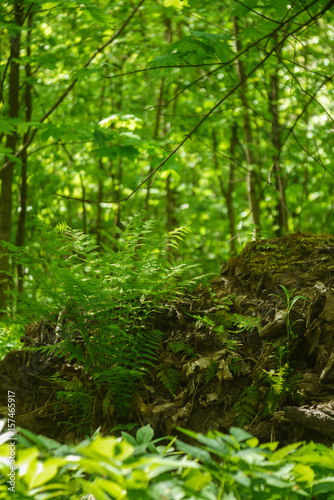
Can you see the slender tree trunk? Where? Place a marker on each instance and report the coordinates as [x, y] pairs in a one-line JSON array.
[[99, 215], [253, 200], [157, 126], [20, 235], [117, 192], [230, 190], [171, 221], [161, 102], [6, 199], [227, 191], [277, 143], [100, 194], [84, 211]]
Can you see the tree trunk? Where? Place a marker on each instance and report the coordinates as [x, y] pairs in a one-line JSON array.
[[227, 191], [276, 141], [99, 216], [20, 235], [160, 105], [6, 199], [253, 199]]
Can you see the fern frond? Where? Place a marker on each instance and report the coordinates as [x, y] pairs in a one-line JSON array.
[[170, 379], [245, 408]]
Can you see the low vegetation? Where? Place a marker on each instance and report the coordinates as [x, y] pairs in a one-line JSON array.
[[136, 467]]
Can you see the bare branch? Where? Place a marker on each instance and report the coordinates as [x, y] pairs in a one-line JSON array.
[[160, 67], [258, 13]]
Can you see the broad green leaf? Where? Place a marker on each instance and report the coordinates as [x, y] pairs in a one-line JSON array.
[[177, 4], [239, 434], [303, 473], [144, 434], [44, 472], [284, 452], [250, 456], [194, 451]]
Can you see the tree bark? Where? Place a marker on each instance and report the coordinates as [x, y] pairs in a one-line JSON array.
[[20, 235], [227, 191], [6, 199], [282, 227], [253, 199], [313, 419]]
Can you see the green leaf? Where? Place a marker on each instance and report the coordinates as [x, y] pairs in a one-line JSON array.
[[144, 434], [194, 451], [283, 452], [239, 434], [49, 471]]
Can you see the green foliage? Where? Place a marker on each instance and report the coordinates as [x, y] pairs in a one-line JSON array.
[[103, 305], [170, 378], [219, 466], [9, 339], [244, 323], [277, 385], [281, 383], [245, 408], [211, 371], [177, 346], [284, 350], [112, 118]]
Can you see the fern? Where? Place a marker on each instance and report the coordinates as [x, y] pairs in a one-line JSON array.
[[179, 346], [106, 303], [170, 379], [245, 408], [211, 371], [280, 384]]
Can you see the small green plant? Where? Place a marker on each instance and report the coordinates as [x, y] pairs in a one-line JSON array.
[[280, 384], [211, 371], [289, 302], [179, 346], [245, 408], [170, 378]]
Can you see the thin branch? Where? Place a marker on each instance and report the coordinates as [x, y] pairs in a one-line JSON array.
[[159, 67], [326, 78], [204, 20], [229, 158], [291, 129], [314, 158], [56, 143], [258, 13]]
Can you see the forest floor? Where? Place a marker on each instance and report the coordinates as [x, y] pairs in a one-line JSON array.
[[243, 351]]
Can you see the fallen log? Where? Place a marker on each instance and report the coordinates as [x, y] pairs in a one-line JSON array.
[[312, 418]]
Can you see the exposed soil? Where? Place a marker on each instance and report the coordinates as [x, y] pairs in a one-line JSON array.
[[227, 357]]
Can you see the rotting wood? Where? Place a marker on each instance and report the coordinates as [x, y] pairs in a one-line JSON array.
[[312, 418]]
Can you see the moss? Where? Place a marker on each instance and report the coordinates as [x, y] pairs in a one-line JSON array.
[[274, 256]]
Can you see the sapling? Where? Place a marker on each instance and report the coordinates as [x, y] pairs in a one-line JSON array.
[[289, 302]]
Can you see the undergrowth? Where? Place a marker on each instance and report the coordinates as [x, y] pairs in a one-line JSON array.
[[215, 466], [102, 305]]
